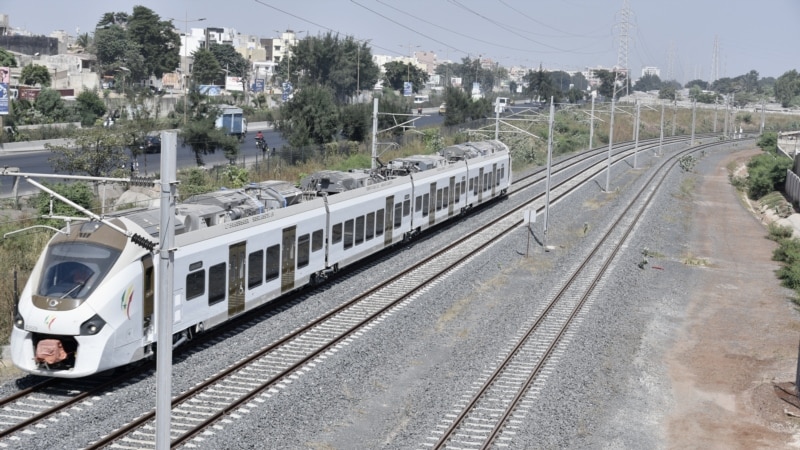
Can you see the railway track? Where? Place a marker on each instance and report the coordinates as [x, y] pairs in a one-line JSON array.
[[277, 362], [488, 417]]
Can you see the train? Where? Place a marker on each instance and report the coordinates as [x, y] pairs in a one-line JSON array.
[[89, 303]]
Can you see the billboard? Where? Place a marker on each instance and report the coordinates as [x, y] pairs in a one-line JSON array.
[[408, 89], [234, 84], [5, 79]]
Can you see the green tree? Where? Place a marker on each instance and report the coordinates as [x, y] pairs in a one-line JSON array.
[[787, 89], [7, 59], [90, 107], [765, 174], [648, 82], [35, 74], [703, 85], [231, 62], [356, 121], [343, 65], [77, 192], [50, 105], [397, 74], [157, 40], [206, 68], [95, 152], [561, 81], [205, 138], [540, 86], [310, 118], [667, 92], [461, 107]]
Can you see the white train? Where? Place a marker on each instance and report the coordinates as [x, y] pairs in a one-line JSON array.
[[89, 304]]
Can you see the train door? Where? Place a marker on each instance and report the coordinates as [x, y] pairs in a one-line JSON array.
[[432, 206], [494, 179], [288, 250], [236, 278], [479, 185], [148, 293], [450, 196], [388, 222]]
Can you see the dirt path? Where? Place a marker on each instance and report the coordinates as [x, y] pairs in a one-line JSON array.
[[733, 368]]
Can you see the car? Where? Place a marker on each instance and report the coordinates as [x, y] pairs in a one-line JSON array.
[[152, 144], [442, 109]]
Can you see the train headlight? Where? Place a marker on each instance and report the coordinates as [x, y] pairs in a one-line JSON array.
[[92, 326], [19, 322]]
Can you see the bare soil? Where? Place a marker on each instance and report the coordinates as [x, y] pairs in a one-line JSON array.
[[733, 367]]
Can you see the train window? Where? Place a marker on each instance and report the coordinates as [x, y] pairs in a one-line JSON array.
[[398, 215], [303, 250], [470, 184], [348, 233], [379, 223], [445, 196], [457, 193], [406, 207], [316, 241], [359, 229], [438, 199], [370, 227], [425, 204], [336, 233], [216, 283], [464, 186], [485, 181], [418, 204], [273, 262], [195, 284], [255, 269]]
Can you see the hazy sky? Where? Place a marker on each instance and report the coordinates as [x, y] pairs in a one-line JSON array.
[[677, 36]]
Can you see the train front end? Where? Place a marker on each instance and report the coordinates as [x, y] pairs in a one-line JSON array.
[[78, 314]]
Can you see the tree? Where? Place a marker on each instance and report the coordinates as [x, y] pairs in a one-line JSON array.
[[90, 107], [310, 117], [141, 42], [230, 62], [343, 65], [398, 73], [7, 59], [35, 74], [356, 121], [561, 81], [157, 40], [787, 89], [540, 85], [703, 85], [95, 152], [667, 92], [206, 68], [205, 138], [79, 193], [50, 105], [461, 107], [648, 82]]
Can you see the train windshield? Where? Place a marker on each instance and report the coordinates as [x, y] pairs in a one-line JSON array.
[[75, 269]]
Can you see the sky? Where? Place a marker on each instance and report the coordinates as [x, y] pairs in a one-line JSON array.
[[677, 36]]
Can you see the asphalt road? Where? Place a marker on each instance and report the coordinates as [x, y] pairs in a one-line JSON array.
[[37, 161]]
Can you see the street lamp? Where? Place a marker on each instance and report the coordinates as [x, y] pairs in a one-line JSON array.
[[286, 51], [123, 70], [185, 44]]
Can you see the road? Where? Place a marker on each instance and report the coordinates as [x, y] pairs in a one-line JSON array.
[[37, 161]]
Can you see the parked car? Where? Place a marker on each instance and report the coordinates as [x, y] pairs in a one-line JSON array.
[[442, 109], [152, 144]]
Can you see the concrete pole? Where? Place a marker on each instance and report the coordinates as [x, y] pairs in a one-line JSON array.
[[694, 116], [374, 134], [591, 123], [164, 302], [636, 135], [547, 183], [661, 136], [610, 144]]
